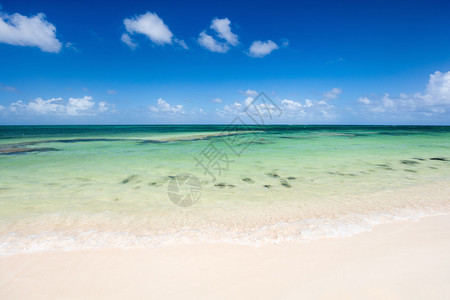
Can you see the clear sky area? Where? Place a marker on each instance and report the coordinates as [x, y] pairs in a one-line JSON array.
[[200, 62]]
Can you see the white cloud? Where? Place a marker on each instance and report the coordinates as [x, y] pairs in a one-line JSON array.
[[197, 112], [42, 106], [248, 101], [261, 49], [71, 46], [249, 93], [111, 92], [217, 100], [127, 40], [438, 89], [222, 27], [181, 43], [211, 44], [164, 107], [79, 105], [291, 104], [2, 107], [57, 106], [364, 100], [16, 106], [286, 110], [150, 25], [309, 110], [387, 101], [249, 106], [103, 106], [223, 31], [234, 109], [387, 104], [333, 93], [33, 31], [434, 100]]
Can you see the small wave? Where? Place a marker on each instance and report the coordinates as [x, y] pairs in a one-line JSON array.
[[278, 233]]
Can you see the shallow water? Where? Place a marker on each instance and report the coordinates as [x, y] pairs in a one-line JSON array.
[[110, 183]]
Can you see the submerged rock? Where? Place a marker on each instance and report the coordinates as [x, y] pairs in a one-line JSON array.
[[129, 178], [248, 180], [285, 184], [267, 186], [10, 151], [221, 185], [409, 162], [385, 166], [273, 175], [439, 158]]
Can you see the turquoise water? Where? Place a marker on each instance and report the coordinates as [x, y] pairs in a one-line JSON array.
[[65, 183]]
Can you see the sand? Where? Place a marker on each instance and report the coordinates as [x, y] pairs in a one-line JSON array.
[[409, 260]]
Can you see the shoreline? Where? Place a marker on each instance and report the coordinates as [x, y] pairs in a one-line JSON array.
[[276, 223], [405, 260]]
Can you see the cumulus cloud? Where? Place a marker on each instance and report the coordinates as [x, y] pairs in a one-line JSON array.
[[291, 105], [35, 31], [165, 108], [42, 106], [217, 100], [438, 89], [364, 100], [312, 110], [249, 93], [333, 93], [231, 110], [279, 110], [434, 100], [309, 110], [79, 105], [196, 112], [57, 106], [104, 106], [223, 29], [152, 26], [261, 49], [211, 44], [260, 108]]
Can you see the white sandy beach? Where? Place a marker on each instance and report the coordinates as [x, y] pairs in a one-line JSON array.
[[408, 260]]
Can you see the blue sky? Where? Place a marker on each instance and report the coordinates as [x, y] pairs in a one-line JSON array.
[[321, 62]]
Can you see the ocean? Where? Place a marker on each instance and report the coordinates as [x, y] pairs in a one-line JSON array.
[[92, 187]]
